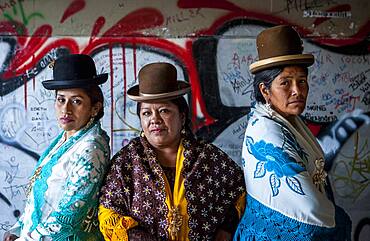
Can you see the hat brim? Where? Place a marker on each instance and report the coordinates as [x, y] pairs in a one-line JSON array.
[[295, 59], [70, 84], [134, 94]]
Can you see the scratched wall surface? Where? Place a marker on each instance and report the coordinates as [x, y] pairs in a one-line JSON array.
[[211, 43]]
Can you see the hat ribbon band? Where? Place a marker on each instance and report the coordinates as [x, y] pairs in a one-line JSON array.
[[296, 57], [164, 94], [156, 95]]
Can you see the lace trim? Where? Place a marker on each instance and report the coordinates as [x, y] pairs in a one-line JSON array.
[[40, 184], [114, 226], [262, 223]]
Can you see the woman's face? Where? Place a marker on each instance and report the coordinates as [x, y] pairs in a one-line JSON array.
[[73, 108], [288, 92], [162, 123]]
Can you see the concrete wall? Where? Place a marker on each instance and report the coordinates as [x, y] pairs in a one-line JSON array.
[[212, 44]]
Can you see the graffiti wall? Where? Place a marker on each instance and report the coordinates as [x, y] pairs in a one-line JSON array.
[[211, 43]]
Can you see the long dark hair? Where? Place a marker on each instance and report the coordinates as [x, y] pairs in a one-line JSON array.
[[96, 95], [266, 77]]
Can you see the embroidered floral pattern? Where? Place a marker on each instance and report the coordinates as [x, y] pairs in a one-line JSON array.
[[273, 159], [75, 212], [280, 154], [203, 186]]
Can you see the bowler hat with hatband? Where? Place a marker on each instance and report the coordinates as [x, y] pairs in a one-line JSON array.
[[158, 82], [74, 71], [279, 46]]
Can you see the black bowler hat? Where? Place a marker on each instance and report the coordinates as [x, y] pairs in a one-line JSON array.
[[74, 71]]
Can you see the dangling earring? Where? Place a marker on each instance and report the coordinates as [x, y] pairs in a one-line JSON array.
[[91, 121], [183, 131], [268, 108], [142, 134]]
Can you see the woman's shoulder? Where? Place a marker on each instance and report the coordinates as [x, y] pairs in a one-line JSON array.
[[263, 126], [212, 148], [200, 144], [95, 138], [134, 146], [211, 151], [97, 133]]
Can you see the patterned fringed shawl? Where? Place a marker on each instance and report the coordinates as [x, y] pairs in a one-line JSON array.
[[213, 184], [284, 172]]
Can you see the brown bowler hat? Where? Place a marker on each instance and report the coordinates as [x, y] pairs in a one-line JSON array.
[[158, 82], [279, 46]]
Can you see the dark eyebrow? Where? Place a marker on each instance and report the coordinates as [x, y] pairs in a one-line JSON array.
[[73, 96], [79, 96], [290, 76], [285, 77]]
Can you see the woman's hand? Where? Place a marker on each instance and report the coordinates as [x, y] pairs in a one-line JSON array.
[[9, 237], [222, 235]]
